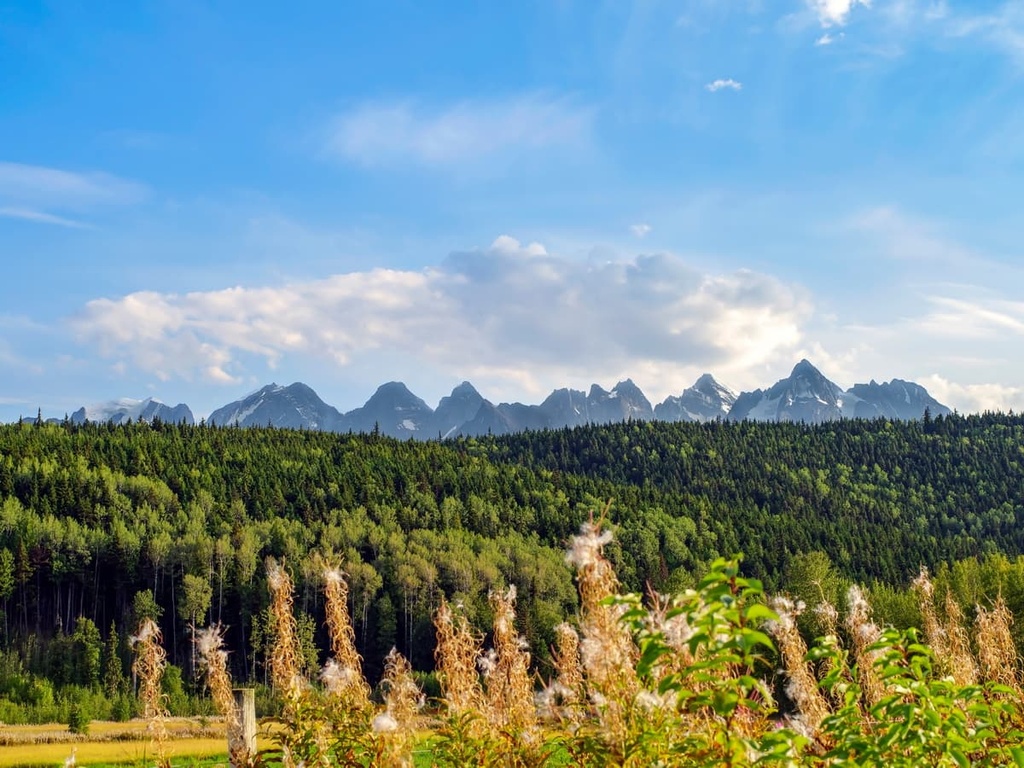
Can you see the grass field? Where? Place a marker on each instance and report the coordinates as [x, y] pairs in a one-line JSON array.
[[127, 744], [190, 744]]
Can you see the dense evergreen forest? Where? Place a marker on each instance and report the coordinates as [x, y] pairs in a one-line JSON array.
[[103, 525]]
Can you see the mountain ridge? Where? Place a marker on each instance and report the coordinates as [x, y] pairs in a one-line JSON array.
[[806, 395]]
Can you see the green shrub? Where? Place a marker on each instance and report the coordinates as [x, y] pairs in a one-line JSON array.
[[78, 718], [123, 708], [174, 691]]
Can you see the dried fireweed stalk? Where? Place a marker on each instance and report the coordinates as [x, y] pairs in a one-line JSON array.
[[828, 618], [214, 661], [458, 647], [284, 659], [802, 687], [607, 650], [568, 663], [150, 660], [961, 661], [997, 652], [863, 634], [664, 619], [934, 632], [509, 690], [561, 698], [346, 679], [403, 698]]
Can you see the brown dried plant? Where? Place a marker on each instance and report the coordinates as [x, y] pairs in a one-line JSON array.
[[934, 632], [150, 660], [506, 669], [214, 661], [664, 618], [403, 698], [394, 728], [285, 654], [828, 618], [607, 650], [962, 665], [561, 699], [997, 652], [863, 634], [344, 678], [458, 648], [802, 688], [567, 660]]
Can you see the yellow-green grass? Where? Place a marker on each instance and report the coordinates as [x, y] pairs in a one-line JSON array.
[[109, 752], [107, 743]]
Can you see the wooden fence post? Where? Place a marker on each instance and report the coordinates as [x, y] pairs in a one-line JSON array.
[[242, 729]]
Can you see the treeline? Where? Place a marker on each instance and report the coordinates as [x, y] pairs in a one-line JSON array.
[[880, 497], [114, 524]]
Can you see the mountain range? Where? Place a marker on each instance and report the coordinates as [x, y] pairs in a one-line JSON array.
[[126, 409], [806, 395]]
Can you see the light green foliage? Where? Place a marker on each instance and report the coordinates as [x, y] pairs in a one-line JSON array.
[[144, 606], [195, 597], [703, 701], [924, 719], [87, 652], [812, 578]]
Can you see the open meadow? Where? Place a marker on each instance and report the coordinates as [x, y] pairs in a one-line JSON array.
[[189, 743]]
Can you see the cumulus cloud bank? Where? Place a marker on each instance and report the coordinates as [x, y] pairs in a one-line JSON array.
[[975, 398], [510, 310]]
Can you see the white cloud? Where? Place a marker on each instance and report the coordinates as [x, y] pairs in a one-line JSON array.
[[835, 13], [394, 132], [640, 230], [33, 193], [971, 398], [1003, 29], [718, 85], [997, 25], [510, 315], [827, 39], [956, 318], [40, 217], [956, 342], [52, 187]]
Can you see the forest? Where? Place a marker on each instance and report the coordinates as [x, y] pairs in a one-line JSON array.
[[104, 526]]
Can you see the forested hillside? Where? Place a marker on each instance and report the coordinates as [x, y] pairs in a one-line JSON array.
[[113, 523], [881, 497]]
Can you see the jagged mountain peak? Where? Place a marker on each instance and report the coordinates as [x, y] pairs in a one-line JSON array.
[[126, 409], [805, 395], [457, 409], [895, 399], [463, 389], [625, 401], [706, 400], [393, 389], [705, 381], [625, 386], [394, 411], [296, 406]]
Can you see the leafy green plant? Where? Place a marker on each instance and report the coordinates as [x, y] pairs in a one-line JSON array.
[[78, 718]]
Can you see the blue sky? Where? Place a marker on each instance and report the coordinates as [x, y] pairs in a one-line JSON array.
[[200, 198]]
